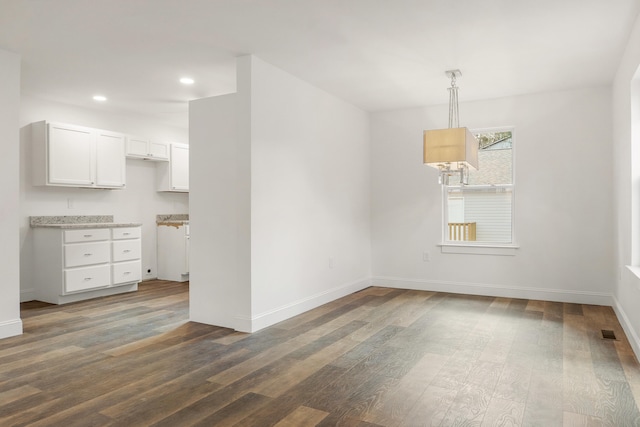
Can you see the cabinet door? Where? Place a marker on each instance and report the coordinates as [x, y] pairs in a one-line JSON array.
[[110, 160], [180, 167], [71, 155], [159, 150], [137, 147]]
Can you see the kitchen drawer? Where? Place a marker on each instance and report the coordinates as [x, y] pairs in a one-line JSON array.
[[82, 279], [125, 272], [126, 233], [86, 235], [79, 254], [126, 250]]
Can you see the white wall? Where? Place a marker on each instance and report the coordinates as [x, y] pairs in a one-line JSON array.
[[10, 323], [220, 177], [139, 202], [626, 188], [563, 210], [279, 200], [310, 196]]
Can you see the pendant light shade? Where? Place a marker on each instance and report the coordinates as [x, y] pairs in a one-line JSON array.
[[456, 146], [453, 150]]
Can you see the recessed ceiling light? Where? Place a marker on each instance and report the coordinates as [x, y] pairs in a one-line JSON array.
[[186, 81], [99, 98]]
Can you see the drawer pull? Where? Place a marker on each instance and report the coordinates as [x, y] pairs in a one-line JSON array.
[[125, 234], [126, 251], [86, 279], [126, 272], [88, 235], [88, 254]]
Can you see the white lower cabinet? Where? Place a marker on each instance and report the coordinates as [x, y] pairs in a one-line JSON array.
[[125, 272], [173, 252], [125, 255], [126, 250], [79, 254], [82, 279], [77, 264]]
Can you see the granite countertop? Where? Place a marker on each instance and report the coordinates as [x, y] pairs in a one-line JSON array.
[[174, 220], [79, 221]]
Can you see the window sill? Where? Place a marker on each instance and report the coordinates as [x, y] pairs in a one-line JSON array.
[[478, 249], [634, 269]]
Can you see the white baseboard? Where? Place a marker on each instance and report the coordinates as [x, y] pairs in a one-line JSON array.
[[629, 331], [10, 328], [287, 311], [556, 295]]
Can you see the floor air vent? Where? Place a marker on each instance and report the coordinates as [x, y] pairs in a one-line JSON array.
[[608, 335]]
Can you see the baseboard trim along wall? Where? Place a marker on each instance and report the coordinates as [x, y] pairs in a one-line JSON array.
[[556, 295], [292, 309], [10, 328], [629, 331]]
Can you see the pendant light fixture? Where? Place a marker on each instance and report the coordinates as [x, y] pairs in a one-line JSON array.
[[454, 150]]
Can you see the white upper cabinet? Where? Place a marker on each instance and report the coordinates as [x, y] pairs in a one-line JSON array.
[[137, 147], [180, 167], [174, 176], [159, 150], [69, 154], [110, 165], [141, 148], [76, 156]]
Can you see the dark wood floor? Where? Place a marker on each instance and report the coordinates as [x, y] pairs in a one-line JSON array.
[[378, 357]]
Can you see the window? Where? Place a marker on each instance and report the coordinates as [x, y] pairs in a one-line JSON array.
[[481, 213]]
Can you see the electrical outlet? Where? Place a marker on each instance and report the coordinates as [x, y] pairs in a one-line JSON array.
[[426, 256]]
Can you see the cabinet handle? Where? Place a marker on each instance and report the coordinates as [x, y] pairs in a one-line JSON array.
[[88, 235], [125, 234], [88, 254], [150, 155], [86, 279], [126, 272], [126, 251]]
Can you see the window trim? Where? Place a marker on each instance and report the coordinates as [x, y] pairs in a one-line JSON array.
[[479, 249], [484, 248]]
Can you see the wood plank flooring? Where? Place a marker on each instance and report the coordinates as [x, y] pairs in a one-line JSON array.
[[379, 357]]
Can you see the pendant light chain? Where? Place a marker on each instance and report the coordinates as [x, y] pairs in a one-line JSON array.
[[454, 121], [454, 150]]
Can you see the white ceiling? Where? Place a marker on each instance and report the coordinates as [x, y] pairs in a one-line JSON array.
[[376, 54]]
